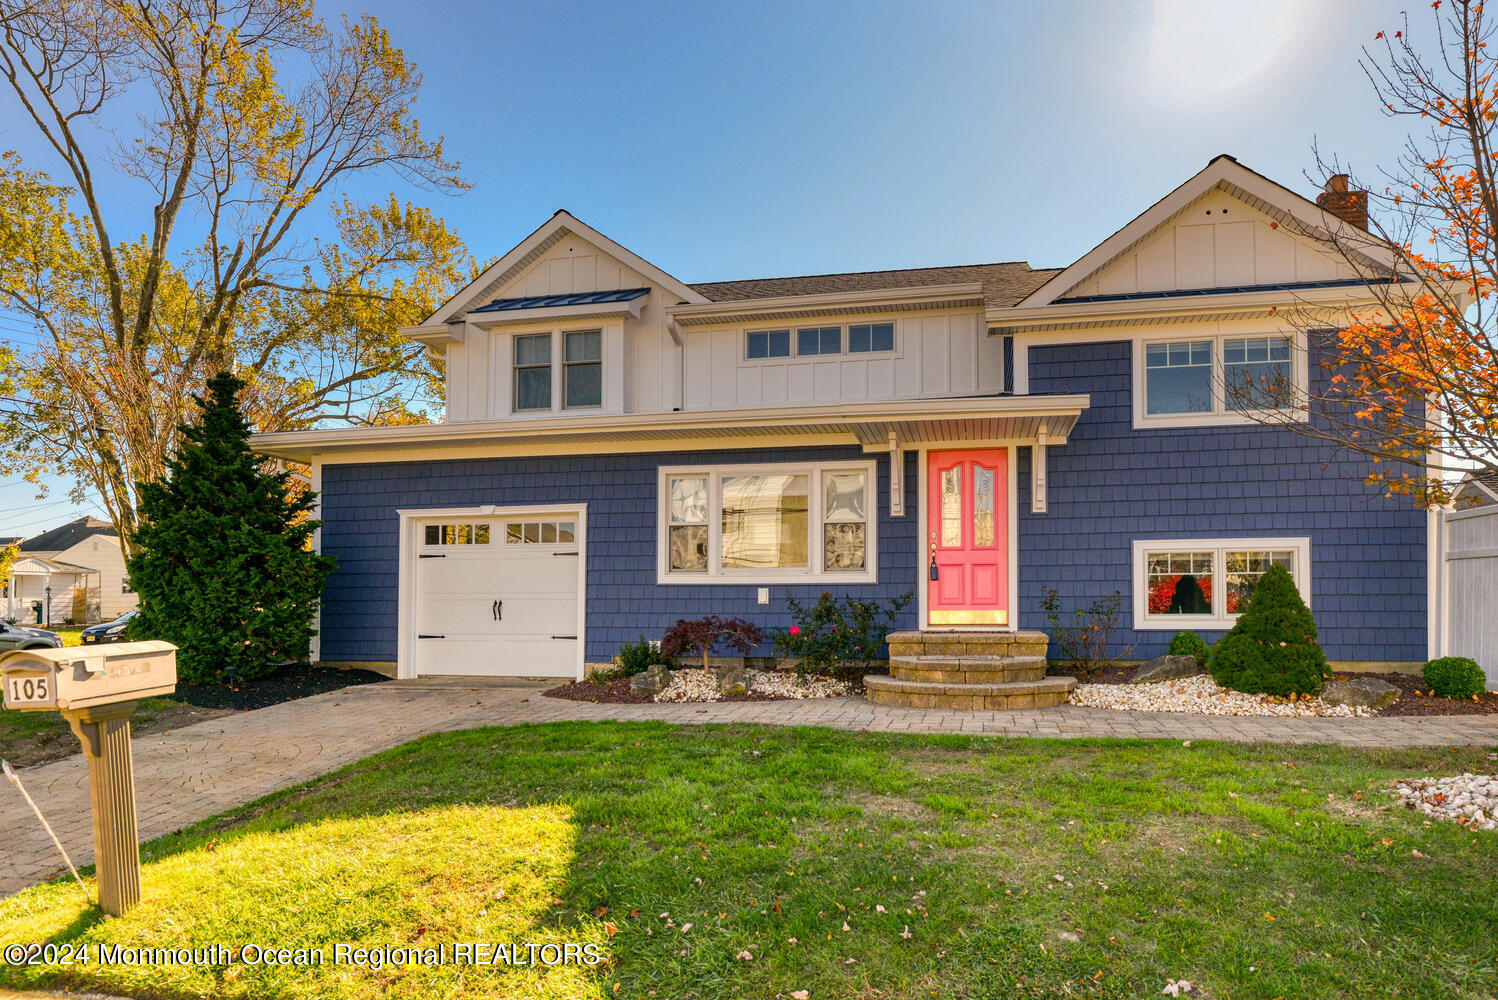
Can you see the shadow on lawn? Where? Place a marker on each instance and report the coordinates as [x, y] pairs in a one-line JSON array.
[[1017, 868]]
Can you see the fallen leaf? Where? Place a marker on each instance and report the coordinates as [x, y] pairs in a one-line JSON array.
[[906, 933], [609, 928], [799, 995], [745, 956], [686, 927]]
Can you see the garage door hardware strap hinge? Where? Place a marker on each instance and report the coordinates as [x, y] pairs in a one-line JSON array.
[[565, 553], [564, 637], [431, 636], [432, 555]]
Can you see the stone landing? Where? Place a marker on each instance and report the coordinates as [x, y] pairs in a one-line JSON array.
[[959, 669]]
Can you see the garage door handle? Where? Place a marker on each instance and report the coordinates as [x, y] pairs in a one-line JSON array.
[[564, 637], [497, 609], [431, 636]]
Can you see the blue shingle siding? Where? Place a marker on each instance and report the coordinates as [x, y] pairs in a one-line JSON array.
[[361, 529], [1111, 484]]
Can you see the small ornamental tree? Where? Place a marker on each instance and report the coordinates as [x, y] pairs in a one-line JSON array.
[[1273, 648], [223, 564], [700, 635]]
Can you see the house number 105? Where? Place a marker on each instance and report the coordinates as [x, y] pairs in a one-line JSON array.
[[28, 689]]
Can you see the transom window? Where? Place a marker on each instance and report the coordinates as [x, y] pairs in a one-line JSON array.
[[582, 370], [456, 534], [540, 532], [817, 341], [768, 523], [1208, 582], [1215, 379]]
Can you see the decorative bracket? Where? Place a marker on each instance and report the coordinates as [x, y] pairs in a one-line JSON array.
[[896, 477], [1037, 473]]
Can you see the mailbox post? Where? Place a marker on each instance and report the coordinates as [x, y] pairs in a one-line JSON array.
[[97, 690]]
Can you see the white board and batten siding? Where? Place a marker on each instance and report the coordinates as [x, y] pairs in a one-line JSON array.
[[1469, 549], [936, 354], [641, 367], [1216, 242]]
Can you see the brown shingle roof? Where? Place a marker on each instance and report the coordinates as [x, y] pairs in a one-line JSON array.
[[1004, 284]]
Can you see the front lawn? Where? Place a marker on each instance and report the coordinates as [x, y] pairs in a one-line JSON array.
[[743, 862]]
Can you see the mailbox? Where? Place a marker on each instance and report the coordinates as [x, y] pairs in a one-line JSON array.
[[96, 690], [74, 678]]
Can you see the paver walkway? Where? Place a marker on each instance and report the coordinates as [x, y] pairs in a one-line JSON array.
[[186, 775]]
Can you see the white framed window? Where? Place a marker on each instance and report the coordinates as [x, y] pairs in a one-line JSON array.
[[1188, 583], [582, 369], [819, 341], [1207, 379], [533, 371], [783, 523]]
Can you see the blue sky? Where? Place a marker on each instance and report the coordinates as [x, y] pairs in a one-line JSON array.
[[745, 140]]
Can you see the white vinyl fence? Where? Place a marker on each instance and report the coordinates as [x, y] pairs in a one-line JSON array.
[[1469, 565]]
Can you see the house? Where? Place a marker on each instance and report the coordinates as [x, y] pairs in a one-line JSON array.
[[1476, 489], [622, 449], [79, 566]]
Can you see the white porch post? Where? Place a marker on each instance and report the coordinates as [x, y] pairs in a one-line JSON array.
[[896, 478]]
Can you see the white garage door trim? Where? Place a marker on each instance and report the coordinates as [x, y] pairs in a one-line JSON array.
[[406, 589]]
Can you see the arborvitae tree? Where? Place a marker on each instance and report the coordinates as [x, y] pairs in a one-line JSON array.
[[222, 560], [1273, 648]]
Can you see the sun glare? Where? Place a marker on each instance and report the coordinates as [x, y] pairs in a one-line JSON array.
[[1200, 51]]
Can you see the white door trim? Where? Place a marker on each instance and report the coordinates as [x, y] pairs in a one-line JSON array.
[[405, 664], [922, 567]]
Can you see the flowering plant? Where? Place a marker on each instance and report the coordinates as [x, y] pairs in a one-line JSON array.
[[831, 633]]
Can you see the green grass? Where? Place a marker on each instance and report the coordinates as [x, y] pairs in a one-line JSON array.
[[72, 635], [1021, 868]]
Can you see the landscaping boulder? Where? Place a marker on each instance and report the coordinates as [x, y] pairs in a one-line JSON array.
[[1166, 668], [1360, 692], [731, 679], [652, 681]]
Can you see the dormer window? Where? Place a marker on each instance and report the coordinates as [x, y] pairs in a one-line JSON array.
[[582, 371], [533, 372]]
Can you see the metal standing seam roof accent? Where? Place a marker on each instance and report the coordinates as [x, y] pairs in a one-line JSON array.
[[1177, 293], [551, 301]]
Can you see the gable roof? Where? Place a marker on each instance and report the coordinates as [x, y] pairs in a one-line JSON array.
[[62, 538], [1226, 173], [1004, 283], [562, 223], [1476, 484]]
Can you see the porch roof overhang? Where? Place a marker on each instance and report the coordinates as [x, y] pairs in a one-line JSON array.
[[38, 566], [909, 422]]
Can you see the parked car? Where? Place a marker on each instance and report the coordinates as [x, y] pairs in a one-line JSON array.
[[109, 631], [26, 637]]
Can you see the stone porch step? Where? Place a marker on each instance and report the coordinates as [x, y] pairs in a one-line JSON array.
[[968, 669], [967, 643], [1042, 693]]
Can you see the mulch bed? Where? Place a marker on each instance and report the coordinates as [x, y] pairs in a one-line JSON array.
[[617, 692], [1413, 702], [287, 684], [1414, 698]]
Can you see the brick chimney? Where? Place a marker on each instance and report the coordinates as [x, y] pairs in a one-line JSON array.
[[1347, 205]]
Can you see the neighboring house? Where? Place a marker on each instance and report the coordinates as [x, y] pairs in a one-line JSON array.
[[623, 449], [81, 562], [1475, 490]]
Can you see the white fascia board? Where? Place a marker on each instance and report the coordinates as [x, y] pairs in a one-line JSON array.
[[436, 337], [1221, 170], [303, 444], [855, 300], [545, 235]]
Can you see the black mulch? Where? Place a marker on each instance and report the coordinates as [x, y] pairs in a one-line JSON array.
[[287, 684]]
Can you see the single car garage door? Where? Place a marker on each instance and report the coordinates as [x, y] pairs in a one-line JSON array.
[[498, 595]]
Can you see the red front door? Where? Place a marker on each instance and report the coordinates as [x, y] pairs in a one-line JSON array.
[[967, 537]]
